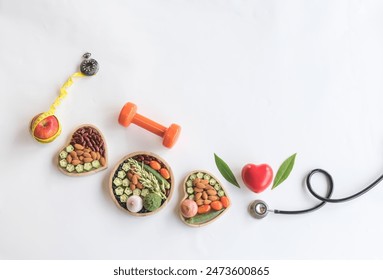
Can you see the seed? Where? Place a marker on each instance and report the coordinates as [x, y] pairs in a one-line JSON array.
[[198, 196], [130, 175], [132, 186], [98, 156], [87, 150], [204, 195], [86, 160], [213, 197], [134, 179], [79, 152], [140, 186], [212, 192], [87, 155], [81, 158], [208, 187], [206, 202], [199, 202], [93, 155], [78, 147], [69, 159], [198, 190], [75, 162], [196, 181], [204, 182], [200, 185], [73, 154], [102, 161]]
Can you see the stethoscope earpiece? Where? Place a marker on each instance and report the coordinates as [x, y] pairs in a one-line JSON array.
[[258, 209]]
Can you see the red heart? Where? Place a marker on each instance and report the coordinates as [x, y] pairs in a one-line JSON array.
[[257, 177]]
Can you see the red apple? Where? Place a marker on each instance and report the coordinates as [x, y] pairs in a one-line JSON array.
[[257, 177], [47, 129]]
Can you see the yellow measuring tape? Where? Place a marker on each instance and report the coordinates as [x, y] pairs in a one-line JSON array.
[[41, 125], [52, 110]]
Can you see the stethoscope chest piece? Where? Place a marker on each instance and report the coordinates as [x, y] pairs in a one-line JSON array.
[[258, 209]]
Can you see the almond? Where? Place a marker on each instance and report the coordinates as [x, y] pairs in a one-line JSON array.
[[86, 160], [197, 190], [213, 197], [204, 195], [98, 156], [79, 152], [102, 161], [69, 159], [140, 186], [134, 179], [132, 186], [196, 180], [199, 202], [208, 187], [130, 175], [200, 185], [198, 196], [93, 155], [87, 150], [211, 192], [204, 182], [73, 154], [75, 162], [87, 155], [78, 147], [80, 157], [206, 202]]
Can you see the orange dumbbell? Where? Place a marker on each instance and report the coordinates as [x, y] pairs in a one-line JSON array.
[[129, 115]]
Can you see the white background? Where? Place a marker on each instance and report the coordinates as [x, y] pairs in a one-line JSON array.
[[253, 81]]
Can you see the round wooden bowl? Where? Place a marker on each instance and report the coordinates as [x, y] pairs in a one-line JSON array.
[[186, 195], [75, 174], [110, 182]]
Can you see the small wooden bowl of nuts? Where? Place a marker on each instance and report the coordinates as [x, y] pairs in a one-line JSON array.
[[141, 183], [205, 199], [85, 154]]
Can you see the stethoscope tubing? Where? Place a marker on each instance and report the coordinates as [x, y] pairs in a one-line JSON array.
[[327, 198]]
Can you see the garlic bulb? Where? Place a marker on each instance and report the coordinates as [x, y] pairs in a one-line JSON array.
[[134, 203]]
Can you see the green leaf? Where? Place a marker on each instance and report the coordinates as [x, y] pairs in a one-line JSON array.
[[284, 171], [225, 171]]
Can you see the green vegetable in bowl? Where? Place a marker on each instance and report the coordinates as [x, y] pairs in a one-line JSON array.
[[152, 202]]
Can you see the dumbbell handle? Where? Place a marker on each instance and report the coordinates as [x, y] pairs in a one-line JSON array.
[[129, 115], [148, 124]]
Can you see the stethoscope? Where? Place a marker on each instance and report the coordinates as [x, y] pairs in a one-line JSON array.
[[259, 209]]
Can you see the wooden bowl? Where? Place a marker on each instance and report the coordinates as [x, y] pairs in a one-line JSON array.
[[122, 205], [93, 170], [186, 196]]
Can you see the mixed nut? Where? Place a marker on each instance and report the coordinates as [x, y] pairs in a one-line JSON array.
[[141, 183], [86, 152]]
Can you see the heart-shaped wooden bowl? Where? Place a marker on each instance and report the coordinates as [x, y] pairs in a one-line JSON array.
[[154, 178], [85, 154], [205, 199]]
